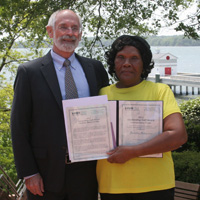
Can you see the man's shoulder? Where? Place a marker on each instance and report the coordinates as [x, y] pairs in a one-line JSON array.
[[37, 61]]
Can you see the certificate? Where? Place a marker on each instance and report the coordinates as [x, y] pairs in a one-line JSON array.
[[137, 122], [88, 128]]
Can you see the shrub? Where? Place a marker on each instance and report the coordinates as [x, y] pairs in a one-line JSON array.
[[191, 115], [187, 166], [6, 152]]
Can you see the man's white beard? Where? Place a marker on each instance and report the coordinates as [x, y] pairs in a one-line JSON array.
[[66, 46]]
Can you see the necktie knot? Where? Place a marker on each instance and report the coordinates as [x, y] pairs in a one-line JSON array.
[[67, 63]]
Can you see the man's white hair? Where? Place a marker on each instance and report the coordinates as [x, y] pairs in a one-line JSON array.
[[52, 20]]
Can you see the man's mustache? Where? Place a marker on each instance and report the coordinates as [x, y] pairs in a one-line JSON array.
[[68, 37]]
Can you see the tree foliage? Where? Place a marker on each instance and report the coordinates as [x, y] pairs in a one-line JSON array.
[[191, 114], [187, 166], [25, 20], [6, 158]]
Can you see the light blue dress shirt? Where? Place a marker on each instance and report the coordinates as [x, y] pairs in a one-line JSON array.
[[77, 72]]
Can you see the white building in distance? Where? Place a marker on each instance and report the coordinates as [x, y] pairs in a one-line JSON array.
[[165, 64]]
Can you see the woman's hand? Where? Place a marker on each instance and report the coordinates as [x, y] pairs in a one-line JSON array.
[[120, 154]]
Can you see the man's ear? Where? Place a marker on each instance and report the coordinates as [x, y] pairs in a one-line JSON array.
[[80, 36], [50, 31]]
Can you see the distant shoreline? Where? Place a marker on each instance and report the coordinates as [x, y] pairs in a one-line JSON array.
[[175, 40]]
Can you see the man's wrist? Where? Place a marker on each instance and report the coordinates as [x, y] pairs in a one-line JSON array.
[[27, 177]]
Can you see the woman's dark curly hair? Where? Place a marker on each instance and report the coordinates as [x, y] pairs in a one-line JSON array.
[[137, 42]]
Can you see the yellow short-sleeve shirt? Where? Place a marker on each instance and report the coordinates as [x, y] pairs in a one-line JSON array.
[[139, 174]]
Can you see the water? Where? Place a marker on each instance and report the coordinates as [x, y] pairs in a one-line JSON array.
[[187, 57]]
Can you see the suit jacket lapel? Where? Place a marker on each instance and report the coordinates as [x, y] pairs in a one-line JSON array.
[[49, 73], [90, 75]]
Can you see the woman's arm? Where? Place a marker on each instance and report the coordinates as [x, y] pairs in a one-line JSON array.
[[173, 136]]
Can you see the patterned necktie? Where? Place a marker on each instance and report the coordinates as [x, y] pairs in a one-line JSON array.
[[70, 87]]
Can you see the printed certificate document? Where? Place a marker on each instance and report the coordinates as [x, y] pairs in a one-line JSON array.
[[95, 125], [88, 128], [135, 122]]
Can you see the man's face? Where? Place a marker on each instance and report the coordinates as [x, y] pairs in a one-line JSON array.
[[66, 32]]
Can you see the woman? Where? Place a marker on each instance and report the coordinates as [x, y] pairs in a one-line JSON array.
[[125, 175]]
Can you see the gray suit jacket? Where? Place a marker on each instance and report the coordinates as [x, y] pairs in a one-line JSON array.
[[37, 122]]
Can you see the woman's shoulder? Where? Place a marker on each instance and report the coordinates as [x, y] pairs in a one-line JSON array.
[[106, 89], [156, 85]]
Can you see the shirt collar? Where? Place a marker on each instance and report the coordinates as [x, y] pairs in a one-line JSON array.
[[59, 60]]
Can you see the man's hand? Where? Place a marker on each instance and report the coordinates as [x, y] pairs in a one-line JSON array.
[[35, 185]]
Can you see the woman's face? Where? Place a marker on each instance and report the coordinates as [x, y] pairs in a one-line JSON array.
[[128, 67]]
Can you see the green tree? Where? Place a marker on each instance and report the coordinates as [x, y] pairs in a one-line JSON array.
[[25, 20], [187, 166], [191, 23], [6, 158], [191, 114]]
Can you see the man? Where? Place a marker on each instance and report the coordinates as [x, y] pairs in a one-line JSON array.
[[37, 121]]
